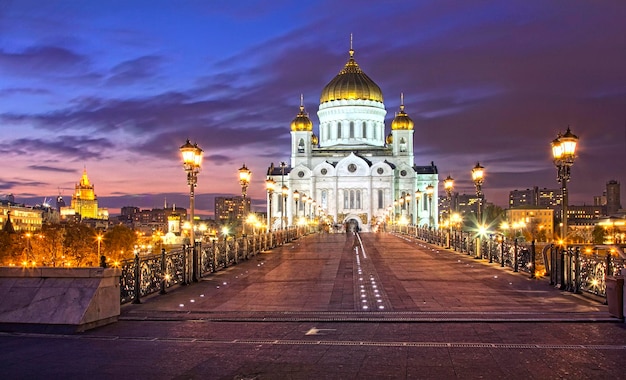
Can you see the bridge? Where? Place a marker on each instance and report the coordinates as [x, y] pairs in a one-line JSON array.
[[372, 305]]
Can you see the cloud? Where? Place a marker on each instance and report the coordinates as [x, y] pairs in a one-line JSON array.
[[46, 61], [72, 148], [133, 71], [51, 169]]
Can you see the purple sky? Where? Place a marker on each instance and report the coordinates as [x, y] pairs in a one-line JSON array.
[[117, 86]]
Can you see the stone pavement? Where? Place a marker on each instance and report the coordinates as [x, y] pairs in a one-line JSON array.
[[320, 308]]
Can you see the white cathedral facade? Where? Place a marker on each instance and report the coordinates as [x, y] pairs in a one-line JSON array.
[[353, 175]]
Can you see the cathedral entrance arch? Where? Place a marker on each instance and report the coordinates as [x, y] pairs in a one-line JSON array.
[[352, 224]]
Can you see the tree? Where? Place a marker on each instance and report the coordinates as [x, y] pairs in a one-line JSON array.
[[119, 242], [81, 245]]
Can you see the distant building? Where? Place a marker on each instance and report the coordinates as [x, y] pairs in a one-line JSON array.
[[537, 222], [464, 204], [154, 220], [84, 202], [22, 218], [613, 201], [535, 197], [231, 209]]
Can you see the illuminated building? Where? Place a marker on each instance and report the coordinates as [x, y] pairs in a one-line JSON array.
[[84, 202], [22, 218], [354, 170], [231, 209]]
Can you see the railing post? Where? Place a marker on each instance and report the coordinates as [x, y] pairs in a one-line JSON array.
[[515, 267], [195, 252], [576, 288], [103, 261], [568, 269], [137, 276], [186, 278], [214, 251], [562, 269], [533, 268], [608, 264], [162, 271], [502, 252], [553, 264]]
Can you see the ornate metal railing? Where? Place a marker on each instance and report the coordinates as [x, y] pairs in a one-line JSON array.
[[582, 269], [148, 274], [570, 269]]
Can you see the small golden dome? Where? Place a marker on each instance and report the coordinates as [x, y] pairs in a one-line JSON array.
[[302, 121], [314, 140], [389, 139], [402, 121], [351, 83]]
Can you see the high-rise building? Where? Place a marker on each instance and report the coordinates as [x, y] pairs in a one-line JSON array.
[[535, 197], [84, 203], [613, 199], [231, 209], [354, 171]]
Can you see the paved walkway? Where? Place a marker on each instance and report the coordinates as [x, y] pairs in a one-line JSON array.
[[330, 307]]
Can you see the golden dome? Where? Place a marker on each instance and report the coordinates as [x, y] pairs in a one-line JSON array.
[[351, 83], [402, 120], [302, 121], [314, 140], [389, 139]]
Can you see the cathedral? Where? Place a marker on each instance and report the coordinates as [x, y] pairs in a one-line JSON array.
[[353, 175]]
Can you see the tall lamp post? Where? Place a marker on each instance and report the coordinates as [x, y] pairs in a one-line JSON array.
[[283, 192], [430, 190], [270, 184], [296, 198], [564, 152], [448, 185], [244, 180], [478, 175], [192, 160], [418, 196]]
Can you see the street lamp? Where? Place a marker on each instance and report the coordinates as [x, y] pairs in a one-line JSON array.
[[418, 196], [285, 193], [99, 238], [296, 198], [244, 180], [270, 184], [478, 175], [407, 200], [430, 190], [448, 185], [192, 160], [564, 152]]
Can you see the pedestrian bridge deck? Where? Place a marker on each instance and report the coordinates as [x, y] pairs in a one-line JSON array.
[[368, 277]]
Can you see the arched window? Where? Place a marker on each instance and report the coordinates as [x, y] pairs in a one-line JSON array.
[[338, 130], [352, 129], [364, 133], [327, 131], [346, 197], [380, 199], [324, 202], [351, 198], [301, 146], [358, 199]]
